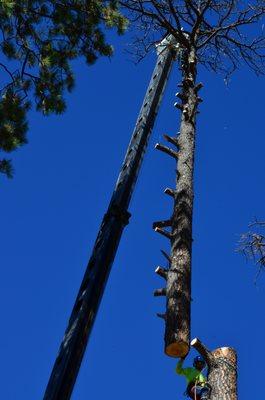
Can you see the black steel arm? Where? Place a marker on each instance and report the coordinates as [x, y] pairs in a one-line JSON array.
[[83, 315]]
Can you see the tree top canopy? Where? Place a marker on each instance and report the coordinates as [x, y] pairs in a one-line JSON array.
[[223, 32], [39, 39]]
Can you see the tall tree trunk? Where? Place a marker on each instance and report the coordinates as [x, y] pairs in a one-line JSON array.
[[178, 289], [85, 309], [222, 371], [177, 335]]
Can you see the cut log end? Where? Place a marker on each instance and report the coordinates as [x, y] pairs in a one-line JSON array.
[[177, 349], [194, 342], [227, 353], [178, 106], [169, 192], [162, 224], [222, 373], [161, 272]]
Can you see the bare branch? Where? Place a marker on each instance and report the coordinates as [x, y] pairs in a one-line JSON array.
[[205, 353], [216, 30], [252, 245]]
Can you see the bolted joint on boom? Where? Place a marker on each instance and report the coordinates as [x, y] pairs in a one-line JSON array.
[[119, 213], [169, 42]]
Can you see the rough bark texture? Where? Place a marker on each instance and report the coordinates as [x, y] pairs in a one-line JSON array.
[[222, 371], [177, 334], [74, 343]]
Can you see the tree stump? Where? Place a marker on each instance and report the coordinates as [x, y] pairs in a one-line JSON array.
[[222, 371]]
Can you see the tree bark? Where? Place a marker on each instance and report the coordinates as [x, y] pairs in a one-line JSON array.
[[222, 371], [177, 332]]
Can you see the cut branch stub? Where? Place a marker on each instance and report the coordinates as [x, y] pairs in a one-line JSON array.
[[166, 150], [170, 192], [161, 272], [163, 316], [181, 96], [222, 370], [199, 86], [172, 140], [160, 292], [163, 232], [179, 106], [204, 352], [162, 224], [166, 256]]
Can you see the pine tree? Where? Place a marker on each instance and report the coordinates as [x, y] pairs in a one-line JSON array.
[[39, 40]]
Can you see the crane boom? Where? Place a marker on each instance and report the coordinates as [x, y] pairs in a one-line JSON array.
[[71, 351]]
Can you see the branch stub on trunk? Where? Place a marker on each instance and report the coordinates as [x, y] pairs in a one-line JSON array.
[[160, 292], [161, 272], [166, 150], [163, 232], [169, 192]]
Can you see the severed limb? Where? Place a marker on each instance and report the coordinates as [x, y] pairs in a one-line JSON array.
[[222, 370], [204, 352]]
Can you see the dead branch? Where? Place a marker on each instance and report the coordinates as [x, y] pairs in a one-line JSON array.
[[160, 292], [161, 272], [168, 258], [252, 245], [166, 150], [216, 31], [205, 353], [170, 192], [172, 140], [163, 232], [162, 224]]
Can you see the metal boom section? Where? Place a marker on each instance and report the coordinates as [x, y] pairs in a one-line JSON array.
[[68, 361]]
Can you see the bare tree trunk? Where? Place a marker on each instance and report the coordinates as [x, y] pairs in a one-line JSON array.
[[178, 290], [177, 335], [222, 371]]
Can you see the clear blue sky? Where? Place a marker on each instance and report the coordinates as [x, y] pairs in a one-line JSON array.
[[52, 209]]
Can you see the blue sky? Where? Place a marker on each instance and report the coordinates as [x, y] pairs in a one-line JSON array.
[[52, 209]]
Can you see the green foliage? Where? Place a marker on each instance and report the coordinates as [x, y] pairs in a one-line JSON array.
[[39, 41], [13, 125]]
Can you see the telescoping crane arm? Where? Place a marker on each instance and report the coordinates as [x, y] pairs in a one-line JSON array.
[[69, 358]]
